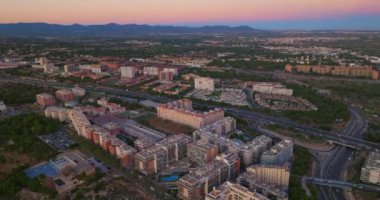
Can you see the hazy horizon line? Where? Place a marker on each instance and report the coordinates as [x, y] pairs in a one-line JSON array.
[[253, 26]]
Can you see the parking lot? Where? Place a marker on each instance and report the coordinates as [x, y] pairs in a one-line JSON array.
[[58, 140]]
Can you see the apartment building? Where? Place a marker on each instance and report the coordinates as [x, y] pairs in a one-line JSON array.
[[354, 71], [151, 71], [45, 99], [181, 111], [151, 160], [157, 157], [198, 183], [165, 76], [232, 160], [370, 172], [270, 174], [58, 113], [79, 121], [222, 126], [231, 191], [64, 95], [250, 152], [128, 71], [278, 154], [201, 152], [176, 146]]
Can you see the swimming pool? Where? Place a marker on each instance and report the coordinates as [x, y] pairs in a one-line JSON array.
[[45, 168], [170, 178]]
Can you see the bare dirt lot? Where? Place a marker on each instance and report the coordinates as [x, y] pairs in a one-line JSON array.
[[120, 189], [167, 126], [14, 160]]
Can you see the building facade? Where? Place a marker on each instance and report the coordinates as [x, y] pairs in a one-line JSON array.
[[64, 95], [278, 154], [128, 72], [181, 112], [370, 172], [45, 99]]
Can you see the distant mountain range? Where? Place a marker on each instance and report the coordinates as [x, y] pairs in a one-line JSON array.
[[108, 30]]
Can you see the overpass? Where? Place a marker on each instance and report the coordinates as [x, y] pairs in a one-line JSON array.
[[339, 184], [344, 140]]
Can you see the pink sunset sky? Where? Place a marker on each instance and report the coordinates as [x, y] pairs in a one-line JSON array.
[[180, 11]]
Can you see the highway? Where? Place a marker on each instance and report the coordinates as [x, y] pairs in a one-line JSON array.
[[328, 169], [333, 166], [344, 140], [339, 184]]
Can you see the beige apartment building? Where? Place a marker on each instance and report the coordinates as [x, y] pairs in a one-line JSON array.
[[231, 191], [270, 174], [181, 112], [371, 169]]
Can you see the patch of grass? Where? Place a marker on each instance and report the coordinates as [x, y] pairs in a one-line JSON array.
[[302, 161], [328, 109], [18, 94], [20, 133]]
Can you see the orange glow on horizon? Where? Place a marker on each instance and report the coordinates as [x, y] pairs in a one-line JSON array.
[[178, 11]]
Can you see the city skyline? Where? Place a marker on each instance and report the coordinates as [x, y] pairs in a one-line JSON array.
[[272, 14]]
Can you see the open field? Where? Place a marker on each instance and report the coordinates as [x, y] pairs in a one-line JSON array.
[[13, 160], [121, 189]]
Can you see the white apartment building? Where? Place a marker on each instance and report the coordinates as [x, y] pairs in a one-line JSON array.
[[128, 71]]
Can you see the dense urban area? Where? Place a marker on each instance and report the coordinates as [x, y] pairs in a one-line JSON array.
[[262, 115]]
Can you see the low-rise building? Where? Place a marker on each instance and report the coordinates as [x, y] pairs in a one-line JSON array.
[[204, 83], [269, 88]]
